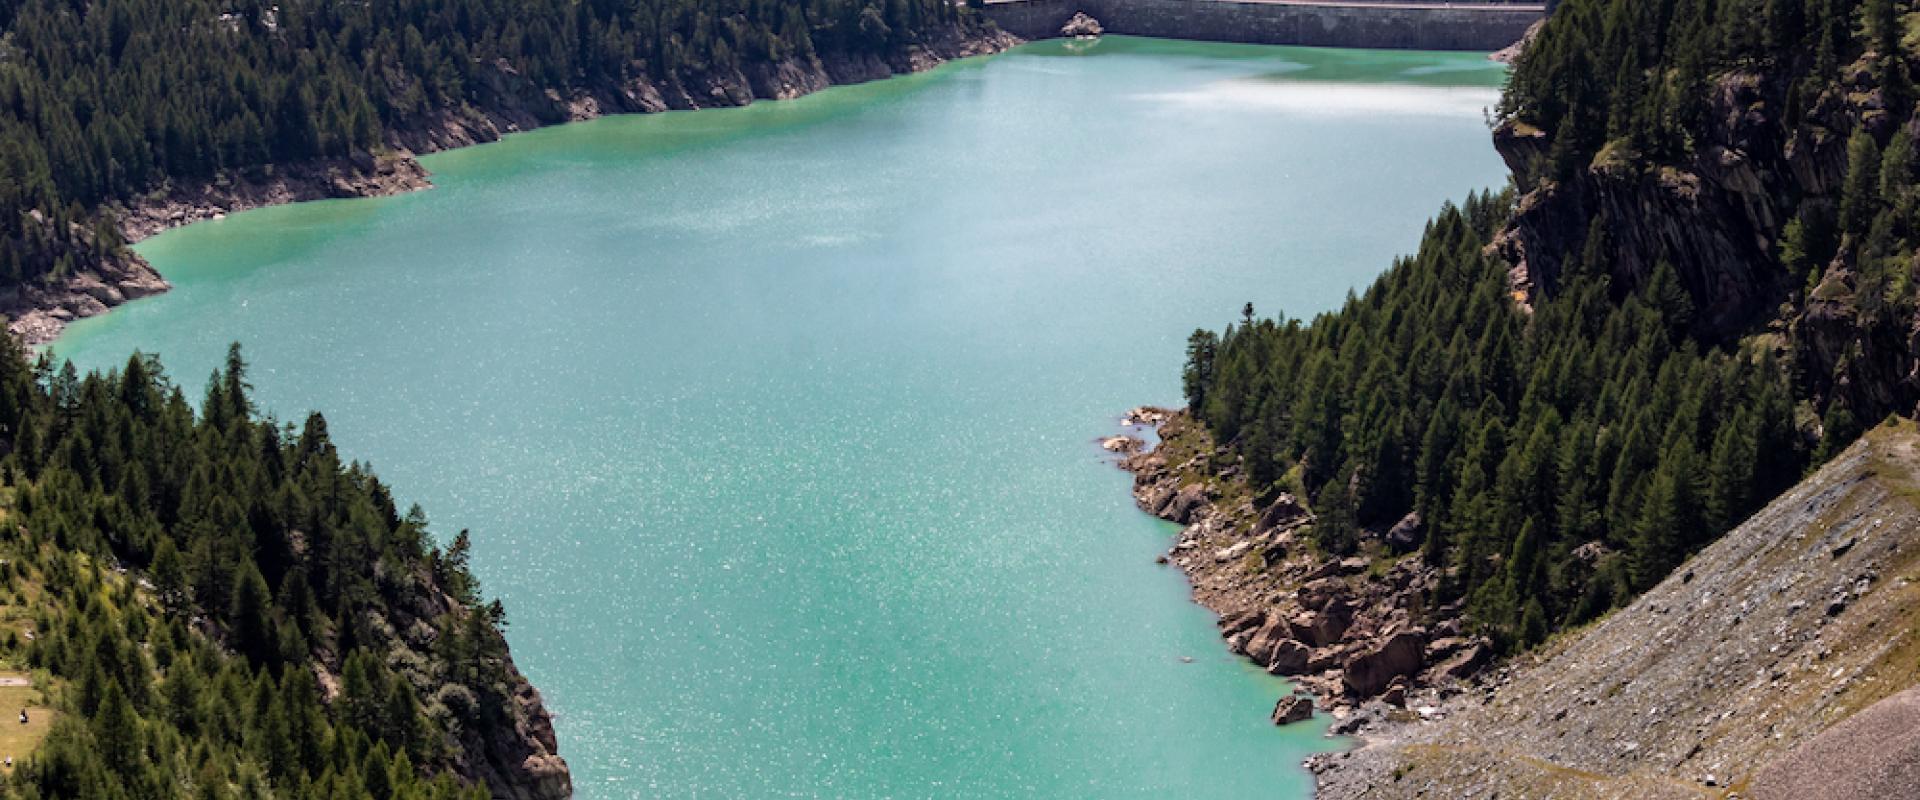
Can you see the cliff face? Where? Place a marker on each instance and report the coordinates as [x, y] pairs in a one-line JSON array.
[[103, 276], [507, 746], [1796, 620], [510, 103], [1719, 219]]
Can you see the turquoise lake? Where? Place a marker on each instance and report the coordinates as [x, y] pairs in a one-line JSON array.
[[775, 426]]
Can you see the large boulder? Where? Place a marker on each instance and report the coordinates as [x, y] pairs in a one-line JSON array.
[[1326, 658], [1466, 662], [1289, 657], [1370, 672], [1243, 621], [1318, 593], [1232, 552], [1260, 646], [1407, 534], [1292, 708], [1322, 627], [1184, 504], [1285, 512]]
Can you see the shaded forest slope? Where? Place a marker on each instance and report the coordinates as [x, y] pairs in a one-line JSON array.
[[218, 606]]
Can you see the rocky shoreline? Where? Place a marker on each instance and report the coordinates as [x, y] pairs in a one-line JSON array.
[[1351, 631], [108, 276]]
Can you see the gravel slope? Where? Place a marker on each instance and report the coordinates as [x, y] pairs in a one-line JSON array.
[[1796, 620]]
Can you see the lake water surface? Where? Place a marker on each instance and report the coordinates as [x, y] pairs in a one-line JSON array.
[[774, 426]]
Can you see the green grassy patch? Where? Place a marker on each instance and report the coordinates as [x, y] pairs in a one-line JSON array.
[[17, 741]]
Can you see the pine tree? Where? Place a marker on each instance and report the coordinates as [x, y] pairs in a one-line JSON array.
[[1666, 295], [1858, 195], [1730, 477], [1883, 28], [116, 729], [252, 629], [1659, 538], [1198, 374], [1334, 528]]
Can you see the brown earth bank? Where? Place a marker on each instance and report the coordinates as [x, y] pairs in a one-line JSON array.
[[1777, 663], [1355, 631], [105, 276]]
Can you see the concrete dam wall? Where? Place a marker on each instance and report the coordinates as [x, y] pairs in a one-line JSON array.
[[1396, 25]]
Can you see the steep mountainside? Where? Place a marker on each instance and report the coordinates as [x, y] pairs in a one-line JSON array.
[[1702, 282], [1797, 619], [216, 605], [1765, 151]]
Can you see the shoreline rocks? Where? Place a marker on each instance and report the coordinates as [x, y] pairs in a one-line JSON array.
[[1352, 631], [1293, 708]]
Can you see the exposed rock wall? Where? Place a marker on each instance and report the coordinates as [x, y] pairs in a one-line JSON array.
[[1718, 218], [510, 748], [1408, 26]]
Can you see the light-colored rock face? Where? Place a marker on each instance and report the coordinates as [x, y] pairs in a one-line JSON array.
[[1796, 620], [1081, 26]]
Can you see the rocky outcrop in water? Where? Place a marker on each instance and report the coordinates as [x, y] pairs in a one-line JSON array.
[[1293, 708]]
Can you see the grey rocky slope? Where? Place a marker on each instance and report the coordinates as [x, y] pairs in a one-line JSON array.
[[1795, 621]]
